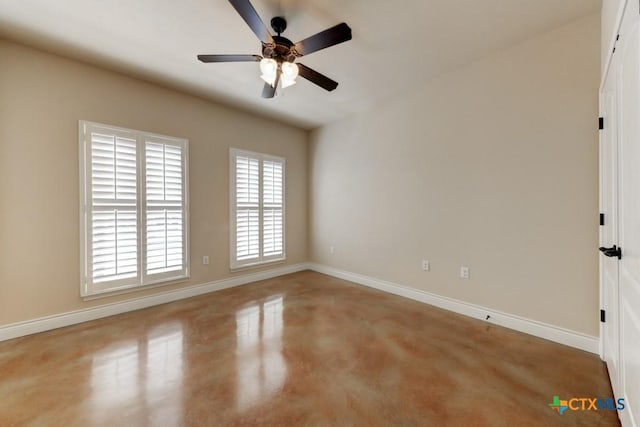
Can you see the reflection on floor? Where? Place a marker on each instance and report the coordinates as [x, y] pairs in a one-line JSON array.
[[120, 370], [260, 369], [303, 349]]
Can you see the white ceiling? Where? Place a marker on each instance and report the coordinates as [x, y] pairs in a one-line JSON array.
[[396, 44]]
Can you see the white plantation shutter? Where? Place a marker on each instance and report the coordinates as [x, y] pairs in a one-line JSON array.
[[114, 245], [113, 169], [165, 212], [247, 208], [247, 234], [114, 240], [164, 241], [131, 237], [272, 241], [257, 208]]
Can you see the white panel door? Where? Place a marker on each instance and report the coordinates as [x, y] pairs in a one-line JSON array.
[[628, 49], [609, 230]]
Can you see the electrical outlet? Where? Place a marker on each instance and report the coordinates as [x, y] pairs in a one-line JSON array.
[[425, 265], [464, 272], [330, 249], [205, 260]]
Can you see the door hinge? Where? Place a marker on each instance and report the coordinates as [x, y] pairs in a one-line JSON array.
[[603, 317], [601, 219], [600, 123]]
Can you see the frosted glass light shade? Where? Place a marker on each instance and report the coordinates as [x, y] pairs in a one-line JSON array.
[[268, 66], [289, 70], [269, 79], [269, 69], [286, 82]]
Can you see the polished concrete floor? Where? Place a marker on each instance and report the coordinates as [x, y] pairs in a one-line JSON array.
[[303, 349]]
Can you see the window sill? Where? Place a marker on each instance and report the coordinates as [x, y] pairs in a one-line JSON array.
[[154, 285], [255, 265]]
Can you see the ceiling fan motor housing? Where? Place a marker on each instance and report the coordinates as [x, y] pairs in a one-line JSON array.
[[282, 48]]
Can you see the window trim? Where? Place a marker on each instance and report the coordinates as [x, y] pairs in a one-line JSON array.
[[89, 289], [235, 265]]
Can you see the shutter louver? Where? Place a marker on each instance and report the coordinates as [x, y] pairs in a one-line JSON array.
[[114, 239], [165, 227]]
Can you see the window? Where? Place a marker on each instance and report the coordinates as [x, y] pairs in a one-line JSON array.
[[257, 208], [133, 206]]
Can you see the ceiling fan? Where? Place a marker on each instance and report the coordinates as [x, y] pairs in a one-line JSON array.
[[277, 62]]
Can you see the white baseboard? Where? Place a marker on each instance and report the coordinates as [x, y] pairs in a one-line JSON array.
[[532, 327], [42, 324]]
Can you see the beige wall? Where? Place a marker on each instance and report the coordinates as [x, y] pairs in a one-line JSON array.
[[42, 97], [493, 166]]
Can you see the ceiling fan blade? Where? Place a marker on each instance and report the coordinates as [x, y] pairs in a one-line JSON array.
[[329, 37], [250, 16], [229, 58], [317, 78], [270, 91]]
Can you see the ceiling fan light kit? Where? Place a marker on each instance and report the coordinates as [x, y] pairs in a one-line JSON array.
[[271, 68], [277, 63]]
